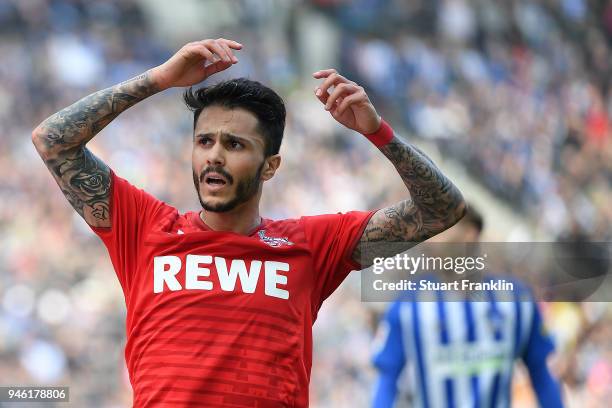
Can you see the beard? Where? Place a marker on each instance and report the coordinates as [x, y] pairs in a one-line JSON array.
[[245, 189]]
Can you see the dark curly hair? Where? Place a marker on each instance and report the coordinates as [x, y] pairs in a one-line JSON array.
[[267, 106]]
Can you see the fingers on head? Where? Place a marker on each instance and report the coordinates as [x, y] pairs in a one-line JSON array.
[[348, 101], [229, 52], [335, 93], [334, 79], [324, 73], [342, 90], [331, 80], [218, 51], [222, 51], [322, 96], [203, 51], [196, 48], [230, 43]]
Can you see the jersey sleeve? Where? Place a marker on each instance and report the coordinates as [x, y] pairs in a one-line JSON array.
[[389, 357], [131, 212], [332, 239], [539, 346]]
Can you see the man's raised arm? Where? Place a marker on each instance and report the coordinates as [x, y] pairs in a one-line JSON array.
[[435, 203], [60, 140]]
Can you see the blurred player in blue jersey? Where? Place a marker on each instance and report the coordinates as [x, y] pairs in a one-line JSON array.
[[461, 353]]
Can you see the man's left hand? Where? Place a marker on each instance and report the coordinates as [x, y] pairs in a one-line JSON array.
[[347, 102]]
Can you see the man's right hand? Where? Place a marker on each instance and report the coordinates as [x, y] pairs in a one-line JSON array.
[[195, 62]]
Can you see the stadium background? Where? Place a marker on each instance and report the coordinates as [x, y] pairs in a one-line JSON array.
[[512, 99]]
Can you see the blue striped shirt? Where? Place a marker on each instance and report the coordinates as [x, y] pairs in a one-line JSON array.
[[461, 353]]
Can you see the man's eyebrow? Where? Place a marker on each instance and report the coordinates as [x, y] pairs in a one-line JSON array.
[[202, 135]]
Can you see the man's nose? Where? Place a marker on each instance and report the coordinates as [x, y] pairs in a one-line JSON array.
[[216, 155]]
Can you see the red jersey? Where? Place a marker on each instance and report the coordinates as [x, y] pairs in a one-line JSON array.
[[218, 319]]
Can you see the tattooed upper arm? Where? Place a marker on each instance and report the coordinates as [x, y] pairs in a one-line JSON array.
[[85, 181], [398, 223], [403, 224], [60, 140]]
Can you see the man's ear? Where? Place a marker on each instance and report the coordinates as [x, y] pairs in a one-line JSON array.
[[271, 164]]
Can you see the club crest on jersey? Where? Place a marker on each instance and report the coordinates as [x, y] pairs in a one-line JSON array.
[[273, 241]]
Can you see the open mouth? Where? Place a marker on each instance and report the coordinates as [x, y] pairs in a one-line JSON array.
[[215, 180]]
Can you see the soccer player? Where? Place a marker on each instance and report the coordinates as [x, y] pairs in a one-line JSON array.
[[221, 301], [461, 353]]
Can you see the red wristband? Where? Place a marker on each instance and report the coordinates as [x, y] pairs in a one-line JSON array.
[[382, 136]]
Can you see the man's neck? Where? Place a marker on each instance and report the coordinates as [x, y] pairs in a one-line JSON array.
[[239, 220]]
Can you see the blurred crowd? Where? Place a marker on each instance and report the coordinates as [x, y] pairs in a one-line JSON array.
[[518, 91]]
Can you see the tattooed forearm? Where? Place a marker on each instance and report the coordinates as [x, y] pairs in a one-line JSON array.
[[81, 121], [85, 181], [60, 140], [435, 204]]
